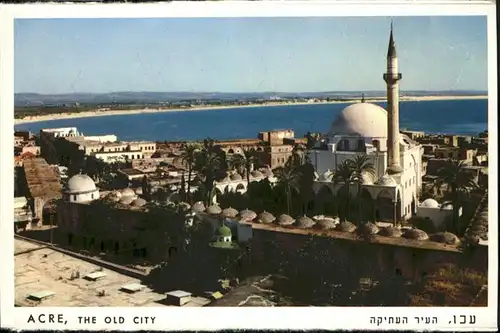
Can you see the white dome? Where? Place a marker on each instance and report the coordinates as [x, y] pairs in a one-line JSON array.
[[367, 178], [387, 180], [128, 192], [327, 176], [363, 119], [448, 206], [126, 200], [79, 184], [138, 202], [431, 203]]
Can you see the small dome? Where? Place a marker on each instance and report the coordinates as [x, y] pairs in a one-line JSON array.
[[431, 203], [256, 174], [304, 222], [367, 178], [387, 180], [447, 206], [265, 218], [229, 212], [198, 207], [138, 191], [236, 177], [223, 231], [326, 176], [126, 200], [128, 192], [325, 224], [363, 119], [139, 202], [415, 234], [285, 219], [368, 229], [247, 215], [214, 210], [445, 238], [390, 232], [346, 227], [80, 183]]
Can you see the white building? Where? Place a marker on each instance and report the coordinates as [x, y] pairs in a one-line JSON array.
[[365, 128], [80, 188], [437, 213]]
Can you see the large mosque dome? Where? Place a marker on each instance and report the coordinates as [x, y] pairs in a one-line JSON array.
[[363, 119]]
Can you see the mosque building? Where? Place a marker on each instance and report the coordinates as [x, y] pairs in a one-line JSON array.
[[365, 128]]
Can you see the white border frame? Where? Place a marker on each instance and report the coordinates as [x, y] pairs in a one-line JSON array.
[[238, 318]]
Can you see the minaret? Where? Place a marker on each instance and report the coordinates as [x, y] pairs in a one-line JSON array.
[[392, 77]]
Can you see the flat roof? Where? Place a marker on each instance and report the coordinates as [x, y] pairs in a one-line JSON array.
[[45, 269], [131, 172], [41, 178], [179, 293]]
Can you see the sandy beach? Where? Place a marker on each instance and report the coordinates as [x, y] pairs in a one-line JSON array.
[[96, 113]]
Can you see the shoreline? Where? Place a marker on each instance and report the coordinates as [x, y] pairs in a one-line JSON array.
[[91, 114]]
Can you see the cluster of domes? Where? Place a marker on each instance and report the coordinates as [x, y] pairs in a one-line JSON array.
[[255, 174], [127, 196]]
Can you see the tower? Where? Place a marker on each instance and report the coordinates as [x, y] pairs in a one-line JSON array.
[[392, 77]]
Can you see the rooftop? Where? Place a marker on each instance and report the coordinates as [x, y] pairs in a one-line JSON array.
[[41, 179], [38, 268]]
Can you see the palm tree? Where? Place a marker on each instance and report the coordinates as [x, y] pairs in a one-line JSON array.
[[361, 165], [288, 178], [345, 174], [188, 158], [207, 163], [245, 161], [459, 183], [300, 160]]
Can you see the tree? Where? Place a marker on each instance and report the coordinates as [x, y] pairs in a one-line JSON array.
[[208, 163], [300, 160], [244, 161], [188, 158], [459, 183], [345, 174], [361, 166], [288, 178]]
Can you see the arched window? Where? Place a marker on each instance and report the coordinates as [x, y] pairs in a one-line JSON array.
[[376, 144], [361, 145]]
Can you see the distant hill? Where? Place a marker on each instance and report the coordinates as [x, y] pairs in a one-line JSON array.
[[129, 97]]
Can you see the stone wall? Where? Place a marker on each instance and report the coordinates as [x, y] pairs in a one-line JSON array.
[[360, 257]]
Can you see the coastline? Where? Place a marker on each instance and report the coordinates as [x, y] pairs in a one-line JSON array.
[[90, 114]]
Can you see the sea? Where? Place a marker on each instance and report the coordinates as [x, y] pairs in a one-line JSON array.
[[463, 117]]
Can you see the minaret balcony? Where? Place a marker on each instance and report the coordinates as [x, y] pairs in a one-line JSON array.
[[393, 76]]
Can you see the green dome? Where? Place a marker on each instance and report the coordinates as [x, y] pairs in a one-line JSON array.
[[223, 231]]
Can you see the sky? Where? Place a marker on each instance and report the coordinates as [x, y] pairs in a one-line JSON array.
[[55, 56]]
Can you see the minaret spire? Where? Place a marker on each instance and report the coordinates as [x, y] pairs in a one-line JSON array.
[[391, 52], [392, 77]]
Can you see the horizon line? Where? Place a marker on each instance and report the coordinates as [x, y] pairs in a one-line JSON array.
[[249, 92]]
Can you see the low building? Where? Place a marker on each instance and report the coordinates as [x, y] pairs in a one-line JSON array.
[[23, 216], [437, 213]]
